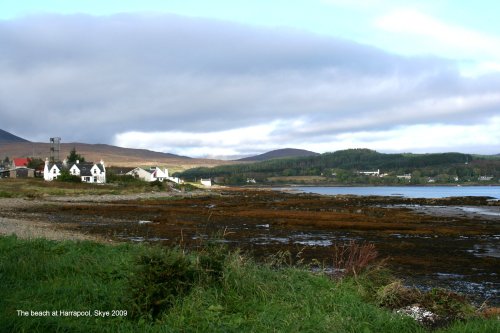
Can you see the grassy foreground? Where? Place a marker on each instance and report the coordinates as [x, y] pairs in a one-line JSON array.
[[173, 291]]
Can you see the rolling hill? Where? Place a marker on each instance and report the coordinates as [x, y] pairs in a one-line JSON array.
[[111, 155], [14, 146], [279, 153]]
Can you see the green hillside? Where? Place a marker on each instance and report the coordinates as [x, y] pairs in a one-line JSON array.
[[345, 166], [279, 153]]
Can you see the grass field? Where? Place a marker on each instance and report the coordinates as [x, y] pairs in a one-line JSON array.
[[141, 288], [37, 188]]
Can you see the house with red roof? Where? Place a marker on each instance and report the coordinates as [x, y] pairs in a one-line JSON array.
[[20, 162], [18, 169]]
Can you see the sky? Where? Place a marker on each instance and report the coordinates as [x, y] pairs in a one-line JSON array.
[[227, 79]]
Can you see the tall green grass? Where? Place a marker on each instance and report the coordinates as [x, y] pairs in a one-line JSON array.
[[33, 188], [170, 290]]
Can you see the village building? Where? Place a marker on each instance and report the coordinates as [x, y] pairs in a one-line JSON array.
[[18, 172], [22, 172], [370, 173], [219, 180], [406, 176], [17, 169], [88, 172], [206, 182], [20, 162], [153, 174]]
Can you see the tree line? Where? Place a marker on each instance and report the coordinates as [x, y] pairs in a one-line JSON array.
[[344, 166]]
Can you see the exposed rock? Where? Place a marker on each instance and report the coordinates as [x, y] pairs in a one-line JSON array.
[[421, 315]]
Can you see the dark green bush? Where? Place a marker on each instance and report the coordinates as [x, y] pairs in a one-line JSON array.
[[65, 176], [447, 304], [166, 276], [158, 184], [161, 278], [211, 262], [185, 187]]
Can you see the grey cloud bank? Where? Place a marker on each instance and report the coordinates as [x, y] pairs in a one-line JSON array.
[[182, 84]]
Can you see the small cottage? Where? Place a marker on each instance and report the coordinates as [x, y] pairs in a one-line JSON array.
[[153, 174], [206, 182]]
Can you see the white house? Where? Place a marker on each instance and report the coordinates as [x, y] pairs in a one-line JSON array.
[[153, 174], [406, 176], [52, 170], [206, 182], [370, 173], [88, 172]]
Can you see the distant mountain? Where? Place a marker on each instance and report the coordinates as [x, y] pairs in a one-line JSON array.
[[6, 137], [111, 155], [279, 153]]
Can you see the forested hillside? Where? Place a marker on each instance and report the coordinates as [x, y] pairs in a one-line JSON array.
[[279, 153], [345, 166]]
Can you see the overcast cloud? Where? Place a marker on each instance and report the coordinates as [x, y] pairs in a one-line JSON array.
[[202, 87]]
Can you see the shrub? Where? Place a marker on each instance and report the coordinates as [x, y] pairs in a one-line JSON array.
[[395, 295], [65, 176], [447, 304], [211, 262], [162, 277], [352, 258], [158, 184], [185, 187]]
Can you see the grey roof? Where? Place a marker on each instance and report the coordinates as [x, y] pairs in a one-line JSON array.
[[59, 165], [139, 168], [85, 168]]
